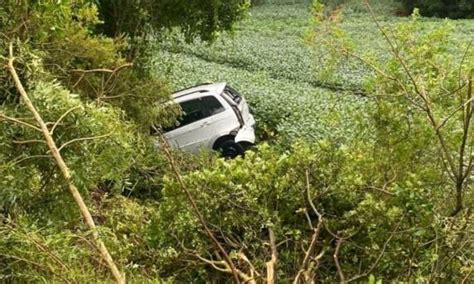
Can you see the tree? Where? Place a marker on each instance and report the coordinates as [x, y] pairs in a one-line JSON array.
[[427, 75], [441, 8], [94, 107], [201, 18]]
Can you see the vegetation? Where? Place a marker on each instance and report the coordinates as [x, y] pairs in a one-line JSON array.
[[81, 104], [202, 18], [441, 8], [363, 172]]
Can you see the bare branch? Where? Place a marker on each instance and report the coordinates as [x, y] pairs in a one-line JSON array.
[[223, 266], [61, 118], [371, 65], [28, 141], [336, 260], [466, 52], [215, 264], [271, 265], [39, 245], [468, 275], [253, 270], [381, 254], [418, 90], [12, 119], [310, 222], [102, 70], [307, 270], [196, 210], [462, 175], [383, 190], [38, 265], [393, 48], [15, 162], [83, 139], [310, 200], [454, 112]]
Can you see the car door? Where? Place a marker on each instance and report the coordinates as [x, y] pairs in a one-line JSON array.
[[222, 118], [194, 128]]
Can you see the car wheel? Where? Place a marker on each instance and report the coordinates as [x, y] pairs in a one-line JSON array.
[[230, 149]]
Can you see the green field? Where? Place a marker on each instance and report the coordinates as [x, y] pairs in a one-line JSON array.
[[269, 59]]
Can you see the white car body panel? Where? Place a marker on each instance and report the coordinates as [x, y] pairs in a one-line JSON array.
[[247, 132]]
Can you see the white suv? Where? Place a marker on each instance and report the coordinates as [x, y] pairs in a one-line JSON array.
[[215, 116]]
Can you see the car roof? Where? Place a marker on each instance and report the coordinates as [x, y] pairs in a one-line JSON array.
[[216, 88]]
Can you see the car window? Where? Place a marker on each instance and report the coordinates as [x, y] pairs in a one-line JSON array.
[[195, 110], [211, 106], [192, 112]]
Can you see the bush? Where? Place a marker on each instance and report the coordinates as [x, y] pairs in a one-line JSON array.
[[244, 199]]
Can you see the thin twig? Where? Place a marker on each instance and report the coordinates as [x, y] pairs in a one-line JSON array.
[[102, 70], [215, 264], [419, 91], [306, 269], [38, 265], [454, 112], [83, 139], [62, 117], [15, 162], [28, 141], [381, 254], [19, 121], [336, 260]]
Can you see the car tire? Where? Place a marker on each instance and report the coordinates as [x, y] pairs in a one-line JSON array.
[[230, 149]]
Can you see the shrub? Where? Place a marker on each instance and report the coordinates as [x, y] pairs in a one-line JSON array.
[[244, 199]]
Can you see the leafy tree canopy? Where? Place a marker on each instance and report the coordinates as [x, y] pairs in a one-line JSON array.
[[197, 18]]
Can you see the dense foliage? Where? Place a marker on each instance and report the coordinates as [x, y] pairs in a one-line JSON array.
[[98, 108], [202, 18], [269, 190], [349, 182], [454, 9], [398, 151]]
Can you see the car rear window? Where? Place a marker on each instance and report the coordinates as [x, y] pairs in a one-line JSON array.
[[211, 106]]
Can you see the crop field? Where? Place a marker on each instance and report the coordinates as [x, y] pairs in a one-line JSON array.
[[271, 62]]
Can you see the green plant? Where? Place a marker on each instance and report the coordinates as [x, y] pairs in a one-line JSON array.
[[94, 109], [290, 194]]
